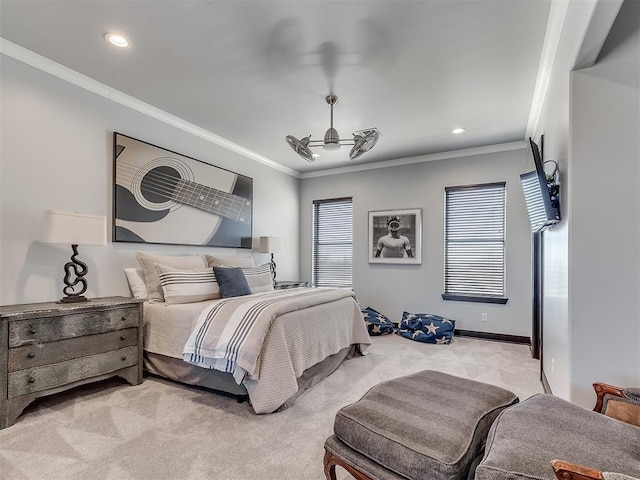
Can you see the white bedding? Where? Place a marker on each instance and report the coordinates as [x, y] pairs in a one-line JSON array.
[[167, 327], [229, 335], [296, 341]]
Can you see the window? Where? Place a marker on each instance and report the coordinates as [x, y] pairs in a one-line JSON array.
[[474, 243], [332, 242]]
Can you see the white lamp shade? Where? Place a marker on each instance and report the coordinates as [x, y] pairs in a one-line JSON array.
[[75, 228], [270, 244]]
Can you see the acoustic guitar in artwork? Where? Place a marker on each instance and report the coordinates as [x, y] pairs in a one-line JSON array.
[[161, 198]]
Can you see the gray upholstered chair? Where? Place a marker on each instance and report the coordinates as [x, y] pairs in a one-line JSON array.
[[433, 426], [618, 403], [571, 471], [526, 438], [428, 425]]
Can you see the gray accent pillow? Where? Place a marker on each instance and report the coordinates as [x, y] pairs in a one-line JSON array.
[[232, 282]]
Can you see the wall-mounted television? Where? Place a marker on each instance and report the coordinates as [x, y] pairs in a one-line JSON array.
[[541, 196]]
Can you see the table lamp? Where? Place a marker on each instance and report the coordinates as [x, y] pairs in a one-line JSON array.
[[75, 229], [271, 245]]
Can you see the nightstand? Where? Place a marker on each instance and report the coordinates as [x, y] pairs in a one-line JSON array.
[[289, 284], [46, 348]]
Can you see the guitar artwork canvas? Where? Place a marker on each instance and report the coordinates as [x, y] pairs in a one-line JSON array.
[[160, 196]]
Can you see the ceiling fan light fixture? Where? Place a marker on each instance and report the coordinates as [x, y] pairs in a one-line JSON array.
[[331, 139], [363, 140]]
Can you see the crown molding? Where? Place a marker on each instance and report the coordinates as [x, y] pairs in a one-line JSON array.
[[467, 152], [597, 19], [55, 69], [600, 23], [555, 23]]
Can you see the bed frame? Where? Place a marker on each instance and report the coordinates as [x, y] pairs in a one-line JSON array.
[[223, 383]]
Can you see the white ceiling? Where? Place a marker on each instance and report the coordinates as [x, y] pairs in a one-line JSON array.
[[256, 71]]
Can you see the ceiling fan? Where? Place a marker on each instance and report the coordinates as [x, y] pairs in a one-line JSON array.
[[363, 140]]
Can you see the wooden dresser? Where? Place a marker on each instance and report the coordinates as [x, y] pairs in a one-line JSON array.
[[46, 348]]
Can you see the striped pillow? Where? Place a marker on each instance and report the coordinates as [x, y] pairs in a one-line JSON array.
[[187, 286], [147, 263], [259, 278]]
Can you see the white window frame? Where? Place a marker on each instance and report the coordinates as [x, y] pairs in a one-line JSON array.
[[475, 243], [332, 253]]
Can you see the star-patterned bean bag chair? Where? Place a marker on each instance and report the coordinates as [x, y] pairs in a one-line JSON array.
[[426, 328], [377, 323]]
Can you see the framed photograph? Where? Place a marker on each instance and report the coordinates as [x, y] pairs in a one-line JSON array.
[[160, 196], [395, 236]]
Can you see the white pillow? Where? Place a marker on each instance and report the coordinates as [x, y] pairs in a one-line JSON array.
[[259, 278], [135, 277], [151, 278], [237, 261], [187, 286]]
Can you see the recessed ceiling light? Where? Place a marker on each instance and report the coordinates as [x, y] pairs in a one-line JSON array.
[[456, 131], [117, 40], [315, 155]]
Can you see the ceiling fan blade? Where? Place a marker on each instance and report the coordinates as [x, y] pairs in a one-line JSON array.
[[364, 143], [301, 147]]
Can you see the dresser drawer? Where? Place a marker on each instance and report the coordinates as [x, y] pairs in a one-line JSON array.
[[29, 356], [45, 377], [49, 329]]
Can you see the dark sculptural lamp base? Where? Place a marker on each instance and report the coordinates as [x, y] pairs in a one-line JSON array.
[[273, 270], [73, 299], [78, 269]]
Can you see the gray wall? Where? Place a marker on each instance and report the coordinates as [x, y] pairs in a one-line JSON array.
[[56, 154], [418, 288], [604, 240], [591, 259]]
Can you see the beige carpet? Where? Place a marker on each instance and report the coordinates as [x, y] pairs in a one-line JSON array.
[[161, 430]]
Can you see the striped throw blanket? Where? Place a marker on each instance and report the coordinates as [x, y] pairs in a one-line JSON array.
[[229, 334]]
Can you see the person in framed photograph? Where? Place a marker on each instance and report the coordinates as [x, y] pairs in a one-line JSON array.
[[393, 245]]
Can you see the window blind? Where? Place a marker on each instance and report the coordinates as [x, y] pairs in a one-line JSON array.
[[475, 241], [332, 242]]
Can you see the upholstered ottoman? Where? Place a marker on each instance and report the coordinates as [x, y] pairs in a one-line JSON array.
[[428, 425], [525, 439]]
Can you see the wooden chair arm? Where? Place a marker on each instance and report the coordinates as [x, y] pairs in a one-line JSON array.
[[602, 389], [571, 471]]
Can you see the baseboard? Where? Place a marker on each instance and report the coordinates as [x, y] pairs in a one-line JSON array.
[[494, 336], [545, 383]]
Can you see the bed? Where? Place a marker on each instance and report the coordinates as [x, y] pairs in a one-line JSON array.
[[301, 347]]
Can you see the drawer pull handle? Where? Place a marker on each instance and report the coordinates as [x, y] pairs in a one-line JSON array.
[[32, 331], [31, 354], [31, 380], [123, 358], [122, 337], [124, 319]]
